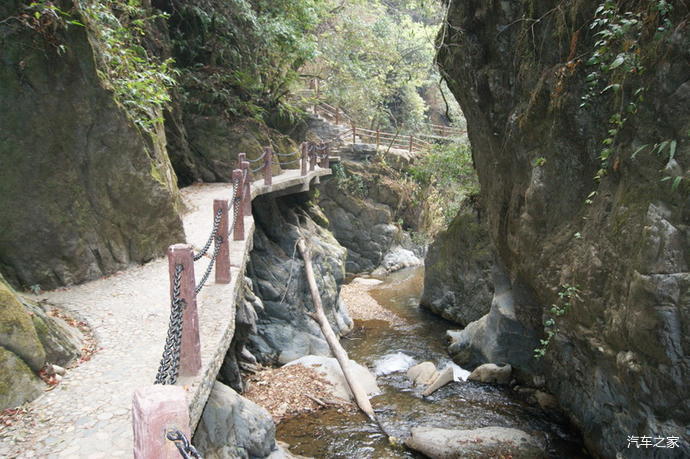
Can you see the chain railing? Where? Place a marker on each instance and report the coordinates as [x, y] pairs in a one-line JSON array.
[[184, 446], [181, 355]]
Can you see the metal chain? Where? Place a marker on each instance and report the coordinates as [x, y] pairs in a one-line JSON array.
[[204, 278], [254, 171], [290, 162], [235, 205], [257, 159], [216, 222], [184, 446], [170, 362], [285, 155]]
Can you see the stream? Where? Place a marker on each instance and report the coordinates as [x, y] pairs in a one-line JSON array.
[[459, 405]]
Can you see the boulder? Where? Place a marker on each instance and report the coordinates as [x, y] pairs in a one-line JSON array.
[[393, 363], [17, 331], [283, 331], [546, 401], [457, 278], [330, 369], [232, 426], [398, 258], [62, 343], [476, 443], [444, 377], [499, 336], [423, 374], [491, 373], [18, 384]]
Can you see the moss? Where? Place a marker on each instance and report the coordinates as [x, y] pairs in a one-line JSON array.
[[17, 332], [18, 384]]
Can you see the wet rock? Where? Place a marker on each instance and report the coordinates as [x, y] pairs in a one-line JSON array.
[[498, 336], [457, 278], [443, 378], [232, 426], [18, 384], [477, 443], [330, 369], [423, 374], [491, 373], [546, 401]]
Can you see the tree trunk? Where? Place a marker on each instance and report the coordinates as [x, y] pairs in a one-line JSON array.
[[340, 354]]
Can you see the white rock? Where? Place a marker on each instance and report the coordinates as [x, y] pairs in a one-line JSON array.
[[393, 363], [422, 374], [398, 258], [477, 443], [443, 378], [330, 369], [491, 373]]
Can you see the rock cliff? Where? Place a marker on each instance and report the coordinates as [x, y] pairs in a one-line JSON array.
[[84, 192], [284, 331], [552, 96], [457, 279]]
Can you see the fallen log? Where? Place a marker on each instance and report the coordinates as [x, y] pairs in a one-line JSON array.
[[340, 354]]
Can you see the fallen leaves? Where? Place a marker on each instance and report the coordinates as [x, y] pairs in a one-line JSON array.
[[291, 390]]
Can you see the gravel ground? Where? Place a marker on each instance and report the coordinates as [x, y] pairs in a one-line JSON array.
[[362, 306]]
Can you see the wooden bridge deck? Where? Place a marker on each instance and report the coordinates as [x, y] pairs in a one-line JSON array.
[[88, 415]]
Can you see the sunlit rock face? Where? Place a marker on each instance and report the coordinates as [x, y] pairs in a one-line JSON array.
[[619, 362]]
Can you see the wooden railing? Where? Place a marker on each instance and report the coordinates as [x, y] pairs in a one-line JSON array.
[[413, 142]]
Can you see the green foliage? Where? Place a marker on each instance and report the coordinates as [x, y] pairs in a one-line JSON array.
[[616, 63], [349, 183], [239, 57], [139, 82], [375, 60], [448, 170], [566, 296]]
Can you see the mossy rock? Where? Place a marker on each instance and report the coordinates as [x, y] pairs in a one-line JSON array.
[[18, 384], [17, 331], [217, 142], [61, 342]]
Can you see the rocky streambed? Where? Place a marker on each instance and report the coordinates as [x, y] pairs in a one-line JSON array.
[[389, 346]]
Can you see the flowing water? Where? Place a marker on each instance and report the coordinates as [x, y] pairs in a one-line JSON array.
[[459, 405]]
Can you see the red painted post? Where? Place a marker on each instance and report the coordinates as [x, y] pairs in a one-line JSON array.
[[156, 410], [223, 260], [238, 231], [378, 138], [304, 158], [240, 159], [327, 158], [190, 352], [312, 158], [247, 192], [268, 165], [410, 144]]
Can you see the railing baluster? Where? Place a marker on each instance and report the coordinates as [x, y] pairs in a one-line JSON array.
[[223, 259], [304, 158], [155, 410], [238, 231], [190, 348], [268, 163]]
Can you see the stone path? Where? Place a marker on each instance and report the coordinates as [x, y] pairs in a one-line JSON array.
[[88, 415]]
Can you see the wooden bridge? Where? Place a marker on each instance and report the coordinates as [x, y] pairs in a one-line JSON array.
[[91, 413]]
